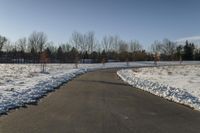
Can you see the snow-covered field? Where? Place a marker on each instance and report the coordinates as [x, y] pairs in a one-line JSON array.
[[22, 84], [178, 83], [25, 83]]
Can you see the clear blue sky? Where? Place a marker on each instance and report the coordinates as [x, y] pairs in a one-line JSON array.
[[143, 20]]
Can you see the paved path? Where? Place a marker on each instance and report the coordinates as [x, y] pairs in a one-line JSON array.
[[98, 102]]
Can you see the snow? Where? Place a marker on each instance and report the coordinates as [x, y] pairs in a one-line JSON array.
[[177, 83], [22, 84]]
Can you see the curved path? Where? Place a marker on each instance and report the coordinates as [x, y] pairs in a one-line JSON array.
[[99, 102]]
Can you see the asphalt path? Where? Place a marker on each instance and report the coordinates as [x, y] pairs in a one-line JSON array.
[[99, 102]]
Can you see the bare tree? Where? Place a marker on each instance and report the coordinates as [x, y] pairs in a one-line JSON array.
[[110, 43], [37, 41], [22, 44], [84, 42], [3, 40], [135, 46], [168, 48], [105, 43], [96, 46], [51, 47], [123, 51], [66, 47], [90, 41], [156, 46], [77, 41], [123, 46], [115, 43], [8, 46]]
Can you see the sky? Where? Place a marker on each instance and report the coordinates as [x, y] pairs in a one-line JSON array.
[[142, 20]]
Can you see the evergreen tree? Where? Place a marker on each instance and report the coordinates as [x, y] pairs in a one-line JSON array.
[[74, 55], [189, 51], [60, 55]]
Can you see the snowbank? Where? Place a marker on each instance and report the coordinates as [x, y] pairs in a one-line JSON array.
[[25, 84], [158, 81], [22, 84]]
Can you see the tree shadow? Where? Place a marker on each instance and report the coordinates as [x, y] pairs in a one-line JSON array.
[[102, 82]]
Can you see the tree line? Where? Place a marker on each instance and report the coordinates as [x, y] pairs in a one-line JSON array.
[[85, 48], [169, 50]]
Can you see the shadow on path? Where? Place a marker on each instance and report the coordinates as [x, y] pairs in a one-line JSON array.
[[103, 82]]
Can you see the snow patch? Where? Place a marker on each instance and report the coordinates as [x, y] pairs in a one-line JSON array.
[[22, 84], [164, 90]]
